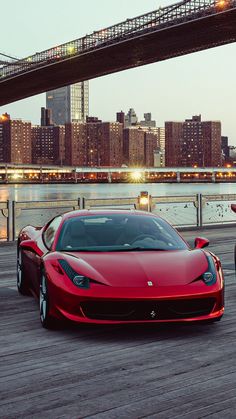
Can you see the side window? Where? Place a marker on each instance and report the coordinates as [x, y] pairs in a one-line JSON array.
[[50, 231]]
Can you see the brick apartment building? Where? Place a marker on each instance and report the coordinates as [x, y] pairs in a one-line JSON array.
[[193, 143], [15, 140], [48, 144]]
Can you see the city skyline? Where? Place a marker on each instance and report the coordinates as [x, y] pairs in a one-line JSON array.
[[94, 143], [188, 85]]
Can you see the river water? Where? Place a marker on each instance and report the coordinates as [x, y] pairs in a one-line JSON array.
[[177, 214], [34, 192]]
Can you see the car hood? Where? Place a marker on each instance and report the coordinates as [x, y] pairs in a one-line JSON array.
[[136, 268]]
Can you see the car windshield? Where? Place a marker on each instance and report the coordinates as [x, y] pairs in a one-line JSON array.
[[118, 232]]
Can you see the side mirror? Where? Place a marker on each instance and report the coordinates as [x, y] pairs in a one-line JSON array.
[[233, 207], [31, 246], [201, 242]]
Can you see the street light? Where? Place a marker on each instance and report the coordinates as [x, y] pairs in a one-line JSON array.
[[144, 201]]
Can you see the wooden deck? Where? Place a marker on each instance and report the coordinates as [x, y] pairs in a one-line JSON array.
[[178, 371]]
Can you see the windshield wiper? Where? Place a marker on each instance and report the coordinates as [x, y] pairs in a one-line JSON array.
[[123, 249], [142, 248]]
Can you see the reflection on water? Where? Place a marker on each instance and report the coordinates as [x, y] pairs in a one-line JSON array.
[[4, 193], [73, 191]]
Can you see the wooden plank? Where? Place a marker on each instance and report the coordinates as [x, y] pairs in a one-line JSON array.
[[182, 371]]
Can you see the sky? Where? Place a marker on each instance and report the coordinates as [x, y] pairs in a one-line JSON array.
[[172, 90]]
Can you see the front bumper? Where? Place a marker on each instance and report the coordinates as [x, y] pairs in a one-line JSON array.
[[132, 305]]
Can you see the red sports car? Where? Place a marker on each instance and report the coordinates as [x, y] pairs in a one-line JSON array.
[[117, 267]]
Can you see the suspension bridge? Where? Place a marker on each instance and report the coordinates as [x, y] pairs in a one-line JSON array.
[[182, 28]]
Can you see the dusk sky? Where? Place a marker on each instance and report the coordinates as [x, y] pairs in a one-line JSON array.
[[200, 83]]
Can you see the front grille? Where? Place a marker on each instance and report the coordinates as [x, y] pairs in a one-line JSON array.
[[148, 310]]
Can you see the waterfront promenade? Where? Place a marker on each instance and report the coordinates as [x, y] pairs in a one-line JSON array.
[[178, 371]]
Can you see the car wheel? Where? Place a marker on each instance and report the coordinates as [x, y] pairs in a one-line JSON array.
[[47, 320], [22, 285], [235, 258], [211, 321]]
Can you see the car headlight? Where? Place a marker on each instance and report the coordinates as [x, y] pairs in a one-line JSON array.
[[80, 281], [209, 277]]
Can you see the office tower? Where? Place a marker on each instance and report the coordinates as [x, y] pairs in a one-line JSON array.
[[147, 121], [15, 140], [193, 143], [69, 103], [48, 144], [46, 117], [131, 118]]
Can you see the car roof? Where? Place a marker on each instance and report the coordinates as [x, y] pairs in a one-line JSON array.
[[88, 212]]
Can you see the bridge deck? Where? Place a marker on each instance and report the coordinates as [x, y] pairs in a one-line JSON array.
[[184, 371], [142, 48]]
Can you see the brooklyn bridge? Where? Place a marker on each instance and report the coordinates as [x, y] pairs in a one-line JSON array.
[[182, 28]]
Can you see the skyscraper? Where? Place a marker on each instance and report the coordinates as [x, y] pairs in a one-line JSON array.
[[69, 103]]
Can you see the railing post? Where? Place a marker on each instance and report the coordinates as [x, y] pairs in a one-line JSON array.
[[8, 220], [10, 236], [13, 219], [199, 209], [81, 202]]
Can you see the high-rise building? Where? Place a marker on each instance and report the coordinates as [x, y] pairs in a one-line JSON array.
[[111, 144], [46, 117], [133, 146], [76, 144], [150, 145], [48, 144], [173, 143], [225, 148], [159, 133], [94, 144], [15, 140], [120, 117], [147, 121], [2, 156], [69, 103], [131, 118], [193, 143], [159, 157]]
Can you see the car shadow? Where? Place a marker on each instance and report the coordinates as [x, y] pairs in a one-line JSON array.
[[139, 332]]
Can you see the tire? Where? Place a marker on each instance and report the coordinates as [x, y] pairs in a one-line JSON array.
[[22, 285], [211, 321], [47, 321], [235, 258]]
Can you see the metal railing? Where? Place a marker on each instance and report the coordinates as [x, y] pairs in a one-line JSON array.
[[163, 17], [181, 211], [36, 213], [5, 217]]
